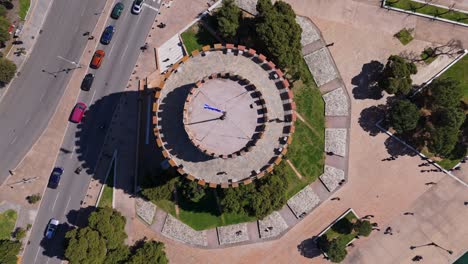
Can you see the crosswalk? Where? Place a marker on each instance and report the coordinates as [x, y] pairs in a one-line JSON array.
[[151, 7]]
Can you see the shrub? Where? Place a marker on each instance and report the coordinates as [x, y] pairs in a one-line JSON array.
[[20, 233], [363, 228], [7, 70], [32, 199], [404, 36], [192, 191], [9, 249], [337, 251]]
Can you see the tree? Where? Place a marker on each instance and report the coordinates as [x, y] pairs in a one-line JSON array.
[[3, 11], [404, 116], [443, 140], [336, 251], [110, 224], [160, 187], [445, 92], [228, 19], [192, 191], [117, 256], [363, 228], [84, 246], [451, 117], [8, 251], [396, 76], [32, 199], [277, 28], [7, 70], [150, 252], [4, 26], [20, 233]]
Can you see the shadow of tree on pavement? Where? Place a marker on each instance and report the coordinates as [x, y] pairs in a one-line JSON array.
[[370, 116], [308, 248], [366, 82]]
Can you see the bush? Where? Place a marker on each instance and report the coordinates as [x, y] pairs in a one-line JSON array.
[[7, 70], [337, 251], [32, 199], [20, 233], [160, 187], [192, 191], [4, 26], [404, 36], [8, 251], [228, 19], [404, 116], [363, 228]]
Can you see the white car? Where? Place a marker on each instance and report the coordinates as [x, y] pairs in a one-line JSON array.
[[137, 6], [51, 228]]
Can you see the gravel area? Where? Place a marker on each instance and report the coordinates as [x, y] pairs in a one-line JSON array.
[[332, 177], [309, 32], [321, 66], [145, 210], [336, 103], [303, 202], [272, 225], [232, 234], [175, 229], [335, 141], [249, 6]]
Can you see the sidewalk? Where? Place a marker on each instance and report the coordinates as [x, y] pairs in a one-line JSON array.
[[31, 29]]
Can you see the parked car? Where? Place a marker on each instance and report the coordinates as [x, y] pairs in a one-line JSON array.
[[77, 113], [117, 10], [107, 35], [87, 82], [97, 59], [137, 6], [55, 176], [51, 228]]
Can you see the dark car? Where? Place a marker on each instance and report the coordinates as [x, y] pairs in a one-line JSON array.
[[54, 179], [87, 82], [107, 35], [117, 10], [51, 228]]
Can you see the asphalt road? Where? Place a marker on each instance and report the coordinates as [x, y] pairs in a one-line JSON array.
[[32, 98], [111, 78]]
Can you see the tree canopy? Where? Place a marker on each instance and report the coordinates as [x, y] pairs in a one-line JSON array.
[[4, 26], [228, 17], [445, 93], [85, 245], [404, 116], [151, 252], [191, 190], [7, 70], [110, 224], [396, 76], [443, 140], [336, 251], [363, 228], [9, 249], [277, 28]]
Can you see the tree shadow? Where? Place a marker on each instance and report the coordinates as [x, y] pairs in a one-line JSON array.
[[395, 148], [366, 81], [308, 248], [370, 116], [55, 247]]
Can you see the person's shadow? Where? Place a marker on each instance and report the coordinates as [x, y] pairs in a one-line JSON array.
[[365, 82]]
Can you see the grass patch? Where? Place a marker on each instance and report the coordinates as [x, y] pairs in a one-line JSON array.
[[196, 37], [167, 206], [7, 223], [428, 55], [429, 10], [294, 183], [108, 191], [334, 231], [404, 36], [458, 72], [23, 8]]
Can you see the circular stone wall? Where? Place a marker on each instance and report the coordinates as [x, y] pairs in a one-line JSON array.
[[223, 116]]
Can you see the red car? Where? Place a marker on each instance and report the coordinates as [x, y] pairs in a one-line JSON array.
[[77, 113], [97, 59]]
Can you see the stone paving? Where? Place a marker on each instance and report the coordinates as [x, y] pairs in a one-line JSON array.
[[232, 234], [272, 225], [321, 66], [303, 202], [145, 210], [309, 33], [175, 229], [336, 103], [332, 177], [335, 141]]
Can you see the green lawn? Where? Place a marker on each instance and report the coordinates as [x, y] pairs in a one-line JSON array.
[[459, 71], [196, 37], [429, 10], [7, 223], [332, 233], [404, 36], [23, 8], [108, 192], [294, 183]]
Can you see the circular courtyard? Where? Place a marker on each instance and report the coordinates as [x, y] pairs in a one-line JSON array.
[[223, 116]]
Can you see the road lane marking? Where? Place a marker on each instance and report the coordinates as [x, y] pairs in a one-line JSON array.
[[125, 50], [66, 207], [72, 152], [27, 121], [56, 198], [92, 98], [13, 140], [111, 49], [151, 7], [148, 121], [67, 60], [37, 253]]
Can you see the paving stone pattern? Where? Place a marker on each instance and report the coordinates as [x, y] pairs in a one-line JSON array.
[[309, 34], [145, 210], [173, 228], [303, 202], [331, 177], [336, 141], [321, 66], [272, 225], [232, 234], [336, 103]]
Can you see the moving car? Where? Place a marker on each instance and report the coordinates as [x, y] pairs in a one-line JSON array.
[[97, 59], [54, 179], [87, 82], [137, 6], [117, 10], [77, 113], [51, 228], [107, 35]]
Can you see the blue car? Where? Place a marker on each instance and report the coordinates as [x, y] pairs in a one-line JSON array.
[[54, 179], [51, 228], [107, 35]]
